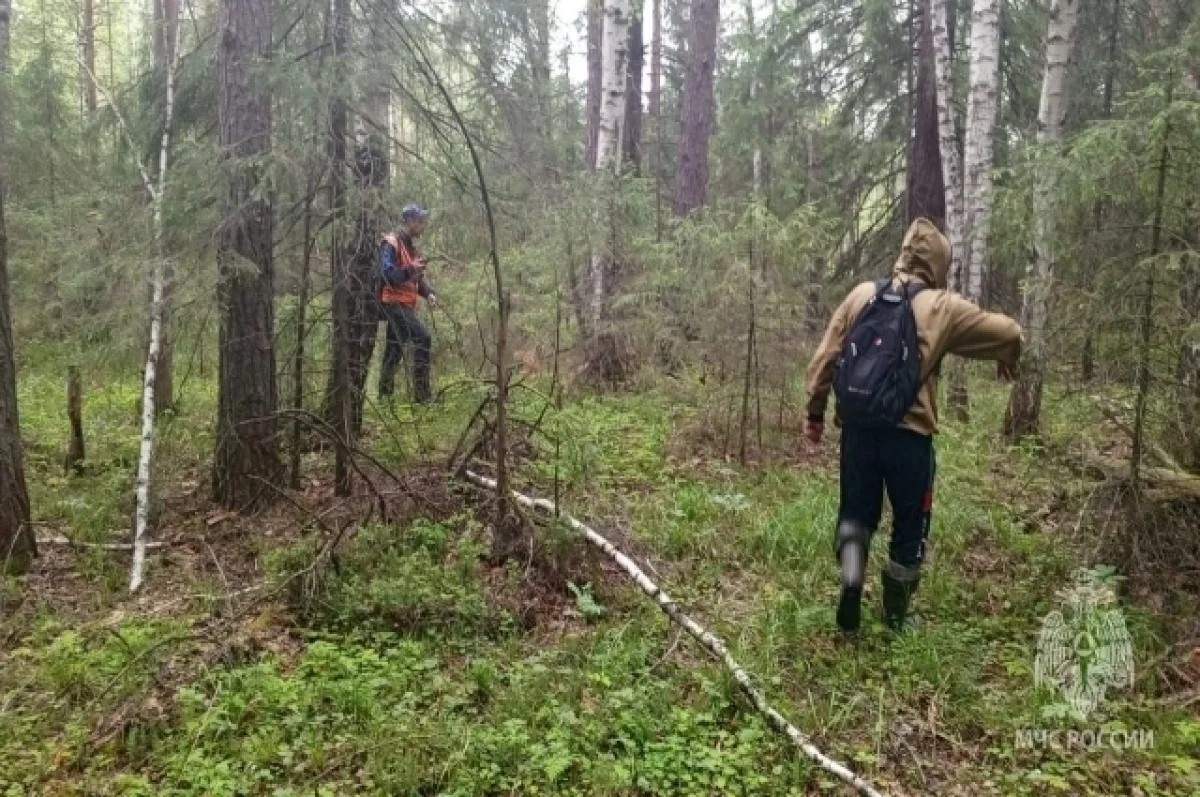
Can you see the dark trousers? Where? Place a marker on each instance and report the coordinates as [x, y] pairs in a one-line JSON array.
[[901, 461], [403, 327]]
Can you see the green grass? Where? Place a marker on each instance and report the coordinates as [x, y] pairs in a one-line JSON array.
[[402, 671]]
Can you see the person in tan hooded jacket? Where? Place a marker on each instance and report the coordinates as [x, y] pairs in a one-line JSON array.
[[900, 459]]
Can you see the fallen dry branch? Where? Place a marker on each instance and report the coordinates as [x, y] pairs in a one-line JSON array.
[[103, 546], [1113, 414], [706, 638], [1167, 482]]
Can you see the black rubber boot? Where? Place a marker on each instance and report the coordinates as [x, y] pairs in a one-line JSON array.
[[896, 595], [852, 555], [849, 610]]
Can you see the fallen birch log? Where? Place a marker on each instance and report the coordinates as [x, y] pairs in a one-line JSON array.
[[104, 546], [706, 638]]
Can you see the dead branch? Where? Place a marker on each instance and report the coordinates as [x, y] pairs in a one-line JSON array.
[[103, 546], [705, 637], [1158, 452]]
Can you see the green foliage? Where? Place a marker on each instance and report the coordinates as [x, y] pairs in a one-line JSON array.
[[412, 580]]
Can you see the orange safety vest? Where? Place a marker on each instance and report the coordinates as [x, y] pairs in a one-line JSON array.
[[406, 293]]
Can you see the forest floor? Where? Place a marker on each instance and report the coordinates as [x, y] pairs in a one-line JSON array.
[[404, 664]]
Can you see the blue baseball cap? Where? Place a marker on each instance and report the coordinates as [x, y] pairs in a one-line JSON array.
[[413, 213]]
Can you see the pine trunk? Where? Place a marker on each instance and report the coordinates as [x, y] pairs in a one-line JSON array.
[[595, 83], [756, 157], [632, 136], [17, 546], [699, 108], [1087, 357], [656, 114], [925, 188], [87, 46], [341, 396], [247, 454], [1023, 416]]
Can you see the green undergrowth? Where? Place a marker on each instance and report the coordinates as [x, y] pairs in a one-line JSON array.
[[404, 667]]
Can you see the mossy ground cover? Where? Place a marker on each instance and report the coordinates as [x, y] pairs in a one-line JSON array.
[[408, 665]]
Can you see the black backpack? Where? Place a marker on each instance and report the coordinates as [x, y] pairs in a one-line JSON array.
[[878, 376]]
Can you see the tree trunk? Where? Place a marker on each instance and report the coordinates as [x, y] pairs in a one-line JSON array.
[[1087, 357], [1146, 321], [75, 447], [595, 84], [942, 21], [17, 546], [297, 403], [363, 274], [698, 110], [1023, 416], [632, 136], [1189, 363], [983, 104], [756, 157], [925, 188], [158, 349], [602, 356], [543, 87], [166, 64], [247, 452], [87, 46], [656, 114], [342, 394]]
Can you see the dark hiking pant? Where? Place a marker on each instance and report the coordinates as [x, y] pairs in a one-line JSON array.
[[403, 327], [903, 463]]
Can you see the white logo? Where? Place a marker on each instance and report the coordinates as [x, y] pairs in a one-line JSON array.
[[1085, 649]]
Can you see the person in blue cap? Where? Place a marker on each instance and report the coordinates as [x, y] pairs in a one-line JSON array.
[[403, 284]]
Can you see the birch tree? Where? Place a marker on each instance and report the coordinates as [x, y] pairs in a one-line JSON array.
[[17, 546], [158, 310], [1024, 408], [247, 451], [983, 104], [166, 54], [942, 21], [614, 70]]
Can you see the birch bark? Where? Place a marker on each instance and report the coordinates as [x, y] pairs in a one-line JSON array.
[[158, 294], [1024, 408], [943, 62], [982, 107], [614, 66]]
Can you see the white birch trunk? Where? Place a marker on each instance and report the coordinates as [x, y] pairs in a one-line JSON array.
[[1025, 406], [709, 640], [614, 66], [141, 520], [943, 61], [982, 106]]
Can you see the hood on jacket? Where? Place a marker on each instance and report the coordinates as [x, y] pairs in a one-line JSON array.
[[925, 254]]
